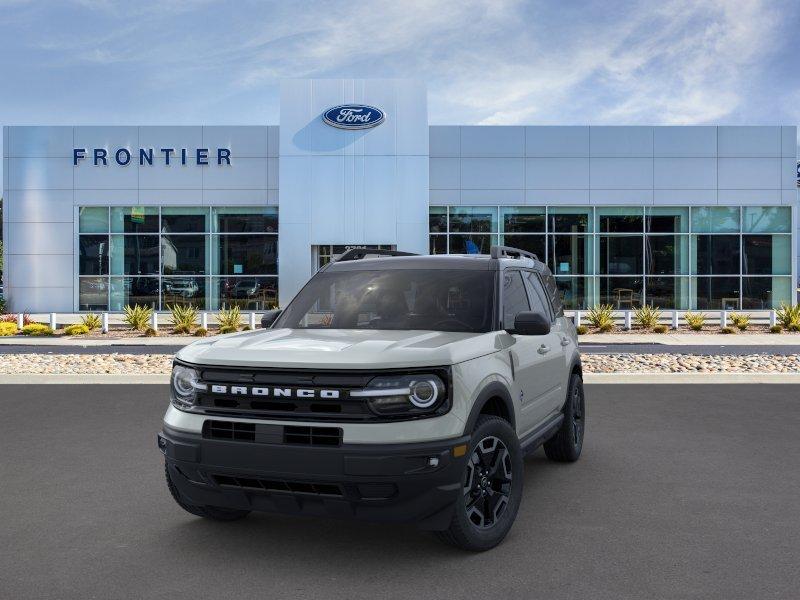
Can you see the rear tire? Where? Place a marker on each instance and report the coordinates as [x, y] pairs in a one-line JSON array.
[[207, 512], [492, 488], [566, 444]]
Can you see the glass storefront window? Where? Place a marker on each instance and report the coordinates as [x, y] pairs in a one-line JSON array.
[[667, 219], [621, 255], [471, 244], [473, 219], [93, 219], [93, 293], [766, 219], [573, 292], [623, 219], [184, 219], [183, 254], [93, 258], [765, 293], [530, 243], [438, 244], [623, 293], [567, 219], [437, 219], [246, 255], [715, 254], [134, 254], [134, 290], [667, 254], [134, 219], [525, 219], [715, 293], [667, 292], [766, 254], [246, 219], [248, 293], [715, 219], [570, 254], [183, 291]]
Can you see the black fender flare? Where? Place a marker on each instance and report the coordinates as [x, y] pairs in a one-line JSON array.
[[494, 389]]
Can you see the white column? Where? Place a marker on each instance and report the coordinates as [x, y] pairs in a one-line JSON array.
[[204, 320], [53, 321], [577, 318], [674, 319], [105, 323], [20, 320], [723, 318], [773, 318], [627, 320], [252, 320], [154, 321]]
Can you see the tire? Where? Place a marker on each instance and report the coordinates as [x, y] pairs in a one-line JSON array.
[[566, 444], [486, 511], [207, 512]]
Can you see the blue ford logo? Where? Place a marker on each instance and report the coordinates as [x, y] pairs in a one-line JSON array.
[[353, 116]]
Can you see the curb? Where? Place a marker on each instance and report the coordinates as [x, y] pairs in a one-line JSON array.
[[690, 378], [69, 379]]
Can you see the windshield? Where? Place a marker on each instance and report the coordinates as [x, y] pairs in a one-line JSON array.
[[402, 299]]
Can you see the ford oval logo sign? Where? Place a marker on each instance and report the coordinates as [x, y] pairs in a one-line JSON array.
[[353, 116]]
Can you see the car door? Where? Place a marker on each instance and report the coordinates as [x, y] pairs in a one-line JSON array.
[[529, 355], [559, 340]]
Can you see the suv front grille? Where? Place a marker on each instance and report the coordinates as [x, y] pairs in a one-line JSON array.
[[312, 436], [278, 485], [263, 433]]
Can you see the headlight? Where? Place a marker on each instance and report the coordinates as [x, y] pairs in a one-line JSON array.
[[399, 395], [185, 382]]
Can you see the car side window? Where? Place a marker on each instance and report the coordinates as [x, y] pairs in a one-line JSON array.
[[551, 288], [536, 293], [515, 298]]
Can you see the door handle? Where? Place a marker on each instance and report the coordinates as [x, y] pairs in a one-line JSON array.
[[543, 349], [565, 341]]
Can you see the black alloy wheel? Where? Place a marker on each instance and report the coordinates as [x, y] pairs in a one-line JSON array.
[[487, 485]]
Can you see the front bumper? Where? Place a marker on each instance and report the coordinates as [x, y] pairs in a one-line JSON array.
[[401, 483]]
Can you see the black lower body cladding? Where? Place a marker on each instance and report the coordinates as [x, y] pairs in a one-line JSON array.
[[398, 483]]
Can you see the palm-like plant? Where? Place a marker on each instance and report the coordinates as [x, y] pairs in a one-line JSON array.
[[183, 318], [647, 316], [601, 316], [230, 319], [137, 317]]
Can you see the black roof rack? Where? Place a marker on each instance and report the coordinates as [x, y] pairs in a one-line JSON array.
[[509, 252], [359, 253]]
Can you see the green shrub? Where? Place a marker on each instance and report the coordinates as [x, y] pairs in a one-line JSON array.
[[695, 321], [37, 329], [788, 315], [740, 321], [582, 329], [92, 321], [601, 316], [8, 329], [201, 332], [727, 329], [150, 332], [660, 329], [76, 329], [229, 319], [137, 317], [775, 329], [647, 316], [183, 318]]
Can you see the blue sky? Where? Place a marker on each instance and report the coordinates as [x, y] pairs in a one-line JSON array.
[[485, 61]]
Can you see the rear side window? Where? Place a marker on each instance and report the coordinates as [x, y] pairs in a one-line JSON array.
[[515, 299], [551, 287]]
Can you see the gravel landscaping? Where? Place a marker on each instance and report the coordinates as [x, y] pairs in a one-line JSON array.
[[134, 364]]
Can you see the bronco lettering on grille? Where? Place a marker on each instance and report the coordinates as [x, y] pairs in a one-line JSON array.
[[275, 392]]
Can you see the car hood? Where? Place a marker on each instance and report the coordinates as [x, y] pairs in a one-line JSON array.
[[340, 348]]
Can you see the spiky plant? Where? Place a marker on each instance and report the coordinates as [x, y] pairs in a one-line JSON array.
[[229, 319], [137, 317], [788, 315], [601, 316], [695, 321], [647, 316], [183, 318], [91, 321]]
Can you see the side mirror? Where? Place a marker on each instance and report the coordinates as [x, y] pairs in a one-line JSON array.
[[270, 317], [531, 323]]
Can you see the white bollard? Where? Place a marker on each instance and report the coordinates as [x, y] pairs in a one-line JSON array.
[[773, 318], [252, 320], [674, 319], [20, 321], [627, 320], [53, 321], [723, 318], [577, 318], [204, 320], [154, 321], [105, 323]]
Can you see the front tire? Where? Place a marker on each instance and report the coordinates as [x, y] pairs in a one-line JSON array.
[[215, 513], [566, 444], [491, 488]]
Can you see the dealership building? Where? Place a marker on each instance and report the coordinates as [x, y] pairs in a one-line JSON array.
[[685, 217]]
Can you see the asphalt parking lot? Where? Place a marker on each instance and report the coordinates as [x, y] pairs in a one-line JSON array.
[[682, 492]]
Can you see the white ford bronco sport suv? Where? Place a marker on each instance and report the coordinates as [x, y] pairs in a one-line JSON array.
[[393, 387]]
